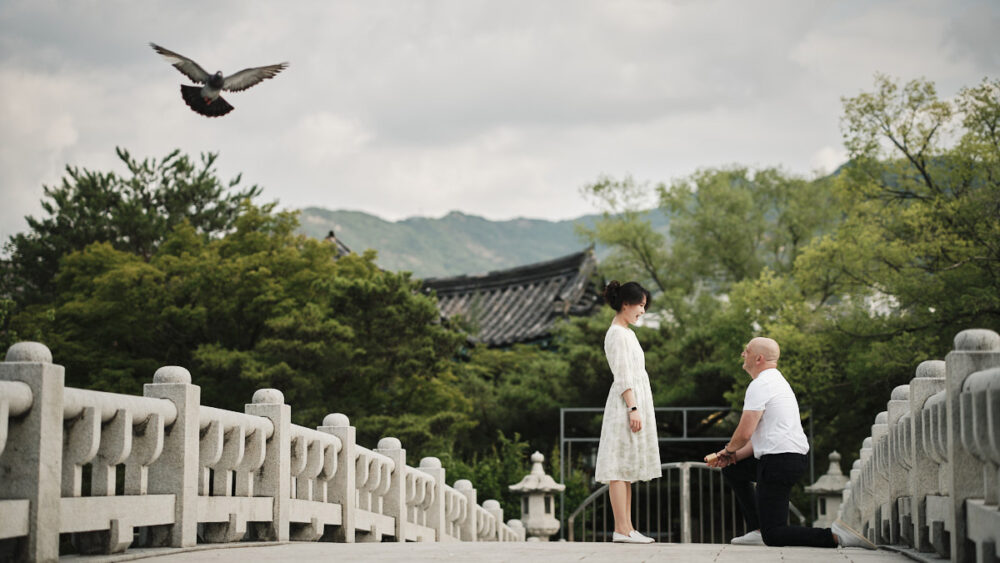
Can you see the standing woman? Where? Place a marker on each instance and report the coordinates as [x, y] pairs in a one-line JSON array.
[[629, 450]]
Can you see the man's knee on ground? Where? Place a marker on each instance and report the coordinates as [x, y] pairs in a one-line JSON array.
[[767, 534]]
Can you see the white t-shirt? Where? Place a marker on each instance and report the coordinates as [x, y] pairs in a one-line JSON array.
[[780, 428]]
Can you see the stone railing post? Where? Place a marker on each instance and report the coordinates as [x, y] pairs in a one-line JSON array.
[[342, 488], [518, 528], [493, 507], [897, 407], [880, 475], [866, 496], [394, 501], [435, 513], [468, 526], [31, 466], [923, 476], [274, 477], [175, 471], [975, 350]]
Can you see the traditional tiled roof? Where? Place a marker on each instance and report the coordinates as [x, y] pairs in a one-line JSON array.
[[520, 304]]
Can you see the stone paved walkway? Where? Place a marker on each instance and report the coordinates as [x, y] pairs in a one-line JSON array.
[[520, 552]]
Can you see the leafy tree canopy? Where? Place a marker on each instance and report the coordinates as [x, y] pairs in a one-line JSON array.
[[132, 212]]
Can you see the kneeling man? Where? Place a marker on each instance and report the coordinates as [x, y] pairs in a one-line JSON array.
[[769, 448]]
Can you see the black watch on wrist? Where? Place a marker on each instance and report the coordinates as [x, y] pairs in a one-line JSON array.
[[633, 409]]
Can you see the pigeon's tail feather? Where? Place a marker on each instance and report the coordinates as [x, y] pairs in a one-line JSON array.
[[192, 96]]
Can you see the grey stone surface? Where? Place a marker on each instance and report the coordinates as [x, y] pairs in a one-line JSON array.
[[34, 352], [535, 552]]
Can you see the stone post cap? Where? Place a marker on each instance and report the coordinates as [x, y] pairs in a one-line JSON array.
[[463, 485], [34, 352], [172, 374], [856, 464], [900, 393], [268, 397], [515, 523], [491, 504], [977, 340], [336, 419], [931, 369], [867, 444], [390, 443], [882, 418], [537, 457], [430, 463]]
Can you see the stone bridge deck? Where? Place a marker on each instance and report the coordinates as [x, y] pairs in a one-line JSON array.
[[532, 552]]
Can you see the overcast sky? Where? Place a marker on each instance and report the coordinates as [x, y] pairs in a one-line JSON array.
[[501, 108]]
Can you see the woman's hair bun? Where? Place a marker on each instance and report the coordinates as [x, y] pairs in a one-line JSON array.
[[612, 295]]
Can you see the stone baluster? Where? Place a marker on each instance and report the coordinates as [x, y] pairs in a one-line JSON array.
[[435, 512], [899, 462], [147, 445], [866, 494], [456, 511], [80, 445], [975, 350], [935, 435], [518, 529], [32, 464], [305, 482], [227, 455], [274, 479], [850, 511], [493, 508], [342, 488], [982, 514], [880, 476], [394, 499], [923, 477], [467, 525], [116, 445], [298, 457], [210, 444]]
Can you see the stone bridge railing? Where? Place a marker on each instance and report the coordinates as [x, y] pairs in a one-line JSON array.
[[927, 477], [165, 470]]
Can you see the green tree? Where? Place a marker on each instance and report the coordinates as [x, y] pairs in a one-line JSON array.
[[132, 212], [258, 307]]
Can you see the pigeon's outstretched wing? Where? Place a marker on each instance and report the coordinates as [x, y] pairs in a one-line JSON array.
[[187, 67], [251, 77]]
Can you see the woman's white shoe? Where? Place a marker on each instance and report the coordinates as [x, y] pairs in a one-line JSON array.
[[633, 537]]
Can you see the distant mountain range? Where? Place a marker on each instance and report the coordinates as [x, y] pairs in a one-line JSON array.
[[456, 243]]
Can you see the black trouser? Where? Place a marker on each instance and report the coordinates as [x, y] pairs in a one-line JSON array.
[[775, 474]]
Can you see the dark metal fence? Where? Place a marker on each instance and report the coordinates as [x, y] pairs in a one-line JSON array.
[[689, 504]]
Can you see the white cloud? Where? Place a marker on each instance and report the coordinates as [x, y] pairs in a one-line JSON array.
[[499, 109]]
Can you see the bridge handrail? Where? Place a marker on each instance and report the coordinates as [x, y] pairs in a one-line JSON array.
[[195, 473], [931, 483]]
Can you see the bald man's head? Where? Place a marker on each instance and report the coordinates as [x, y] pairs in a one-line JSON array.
[[760, 353], [766, 347]]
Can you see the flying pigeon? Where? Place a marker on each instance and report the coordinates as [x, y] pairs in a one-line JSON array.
[[205, 99]]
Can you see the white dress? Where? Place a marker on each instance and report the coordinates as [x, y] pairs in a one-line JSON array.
[[623, 455]]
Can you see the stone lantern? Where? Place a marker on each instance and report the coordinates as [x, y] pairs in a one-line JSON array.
[[538, 505], [829, 491]]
